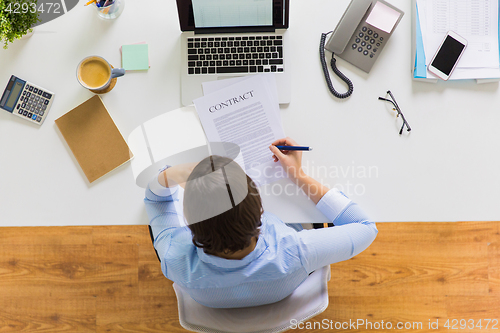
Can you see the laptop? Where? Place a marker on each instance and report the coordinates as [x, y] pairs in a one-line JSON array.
[[232, 38]]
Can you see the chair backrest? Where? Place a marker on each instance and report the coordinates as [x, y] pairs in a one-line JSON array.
[[307, 301]]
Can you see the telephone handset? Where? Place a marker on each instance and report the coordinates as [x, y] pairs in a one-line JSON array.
[[359, 37], [347, 25]]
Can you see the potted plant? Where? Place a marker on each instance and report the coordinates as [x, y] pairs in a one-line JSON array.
[[16, 19]]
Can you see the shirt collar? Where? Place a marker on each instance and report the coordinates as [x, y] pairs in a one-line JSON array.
[[260, 247]]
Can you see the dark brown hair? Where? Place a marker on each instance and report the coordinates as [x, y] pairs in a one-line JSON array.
[[214, 180]]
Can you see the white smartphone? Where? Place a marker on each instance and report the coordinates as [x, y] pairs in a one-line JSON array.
[[447, 56]]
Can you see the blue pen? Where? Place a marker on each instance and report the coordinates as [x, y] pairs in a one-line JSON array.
[[294, 148]]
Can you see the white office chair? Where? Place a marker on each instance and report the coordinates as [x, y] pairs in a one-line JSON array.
[[307, 301]]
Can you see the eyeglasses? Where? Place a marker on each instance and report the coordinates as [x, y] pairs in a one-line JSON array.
[[396, 108]]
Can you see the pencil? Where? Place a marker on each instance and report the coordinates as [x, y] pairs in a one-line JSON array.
[[91, 1]]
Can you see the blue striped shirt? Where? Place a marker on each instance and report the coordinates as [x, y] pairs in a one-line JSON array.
[[282, 259]]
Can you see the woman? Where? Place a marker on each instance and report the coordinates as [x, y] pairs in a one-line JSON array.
[[232, 253]]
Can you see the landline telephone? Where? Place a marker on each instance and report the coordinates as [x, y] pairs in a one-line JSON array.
[[359, 37]]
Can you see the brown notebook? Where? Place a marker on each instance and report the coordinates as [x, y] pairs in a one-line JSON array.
[[94, 139]]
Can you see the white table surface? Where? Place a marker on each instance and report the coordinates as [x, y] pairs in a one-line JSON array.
[[447, 169]]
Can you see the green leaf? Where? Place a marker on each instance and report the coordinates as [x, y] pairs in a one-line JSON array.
[[14, 25]]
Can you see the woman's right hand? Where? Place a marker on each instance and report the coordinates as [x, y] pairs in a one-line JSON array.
[[290, 160], [292, 163]]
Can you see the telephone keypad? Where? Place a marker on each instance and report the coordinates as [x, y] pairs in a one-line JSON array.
[[364, 45]]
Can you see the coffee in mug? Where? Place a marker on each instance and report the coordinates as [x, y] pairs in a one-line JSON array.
[[95, 73]]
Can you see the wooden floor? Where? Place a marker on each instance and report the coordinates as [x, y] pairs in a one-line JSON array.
[[107, 279]]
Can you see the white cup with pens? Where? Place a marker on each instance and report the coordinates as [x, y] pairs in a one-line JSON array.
[[108, 9]]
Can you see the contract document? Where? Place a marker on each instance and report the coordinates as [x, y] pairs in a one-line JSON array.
[[245, 114]]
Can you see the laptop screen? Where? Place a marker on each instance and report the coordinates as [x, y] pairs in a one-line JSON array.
[[232, 13], [220, 16]]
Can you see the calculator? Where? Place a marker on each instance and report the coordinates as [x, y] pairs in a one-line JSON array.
[[26, 100]]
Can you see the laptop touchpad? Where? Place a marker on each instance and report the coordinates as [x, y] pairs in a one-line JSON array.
[[228, 77]]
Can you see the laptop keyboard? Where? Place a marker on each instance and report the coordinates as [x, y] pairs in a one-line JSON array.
[[248, 54]]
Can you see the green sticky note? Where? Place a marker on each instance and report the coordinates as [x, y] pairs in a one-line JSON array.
[[135, 57]]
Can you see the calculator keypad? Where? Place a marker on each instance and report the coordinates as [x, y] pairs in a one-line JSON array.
[[34, 103]]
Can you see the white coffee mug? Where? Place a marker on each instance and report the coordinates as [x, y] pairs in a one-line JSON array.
[[95, 73]]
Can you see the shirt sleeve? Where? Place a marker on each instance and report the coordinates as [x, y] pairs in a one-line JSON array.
[[352, 234], [165, 214]]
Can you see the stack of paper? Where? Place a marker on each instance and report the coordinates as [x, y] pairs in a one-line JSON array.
[[475, 20]]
